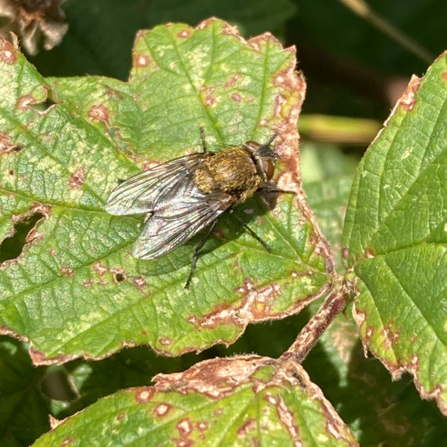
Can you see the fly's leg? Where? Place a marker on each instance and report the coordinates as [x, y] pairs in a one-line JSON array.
[[202, 136], [270, 141], [195, 255], [264, 244], [275, 190]]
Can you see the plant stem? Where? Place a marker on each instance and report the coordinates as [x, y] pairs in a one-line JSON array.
[[309, 335], [361, 8]]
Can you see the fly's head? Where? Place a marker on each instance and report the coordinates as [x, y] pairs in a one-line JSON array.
[[264, 158]]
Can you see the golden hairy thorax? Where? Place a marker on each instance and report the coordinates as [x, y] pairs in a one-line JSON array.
[[231, 170]]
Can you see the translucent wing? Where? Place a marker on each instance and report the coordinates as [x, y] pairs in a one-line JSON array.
[[142, 192], [177, 222]]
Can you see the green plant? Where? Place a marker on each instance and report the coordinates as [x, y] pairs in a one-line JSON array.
[[75, 290]]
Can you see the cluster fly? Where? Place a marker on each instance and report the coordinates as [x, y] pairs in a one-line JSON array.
[[183, 196]]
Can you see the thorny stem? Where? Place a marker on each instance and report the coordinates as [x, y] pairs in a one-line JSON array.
[[309, 335]]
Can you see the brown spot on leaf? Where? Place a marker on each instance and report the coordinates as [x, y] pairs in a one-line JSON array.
[[77, 178], [287, 418], [184, 34], [164, 341], [141, 60], [392, 336], [236, 97], [215, 378], [24, 102], [210, 100], [202, 425], [192, 319], [185, 427], [41, 106], [256, 305], [33, 235], [118, 275], [232, 80], [8, 53], [222, 314], [415, 361], [120, 416], [139, 282], [67, 441], [408, 100], [67, 271], [162, 409], [40, 359], [345, 253], [99, 268], [112, 93], [369, 253], [144, 395], [246, 427], [100, 113], [6, 146], [184, 442]]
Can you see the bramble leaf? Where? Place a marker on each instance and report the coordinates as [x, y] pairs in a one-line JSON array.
[[395, 235], [239, 402], [76, 290]]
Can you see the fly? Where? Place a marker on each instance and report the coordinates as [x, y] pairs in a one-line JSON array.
[[183, 196]]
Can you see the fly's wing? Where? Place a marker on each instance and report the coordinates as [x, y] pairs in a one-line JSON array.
[[179, 221], [142, 192]]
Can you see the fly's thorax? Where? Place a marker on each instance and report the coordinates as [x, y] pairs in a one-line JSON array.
[[231, 170]]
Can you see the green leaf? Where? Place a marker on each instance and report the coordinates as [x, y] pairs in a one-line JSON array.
[[76, 289], [376, 408], [328, 200], [23, 415], [327, 176], [239, 401], [396, 239]]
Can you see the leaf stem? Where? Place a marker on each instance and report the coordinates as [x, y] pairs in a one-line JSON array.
[[310, 334]]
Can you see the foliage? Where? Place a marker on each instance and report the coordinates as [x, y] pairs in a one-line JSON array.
[[371, 237]]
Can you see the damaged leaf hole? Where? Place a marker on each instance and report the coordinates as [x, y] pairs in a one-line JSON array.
[[43, 106], [12, 246], [16, 148], [56, 385], [119, 277]]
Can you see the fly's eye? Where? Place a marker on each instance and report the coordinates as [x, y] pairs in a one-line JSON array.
[[269, 167]]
